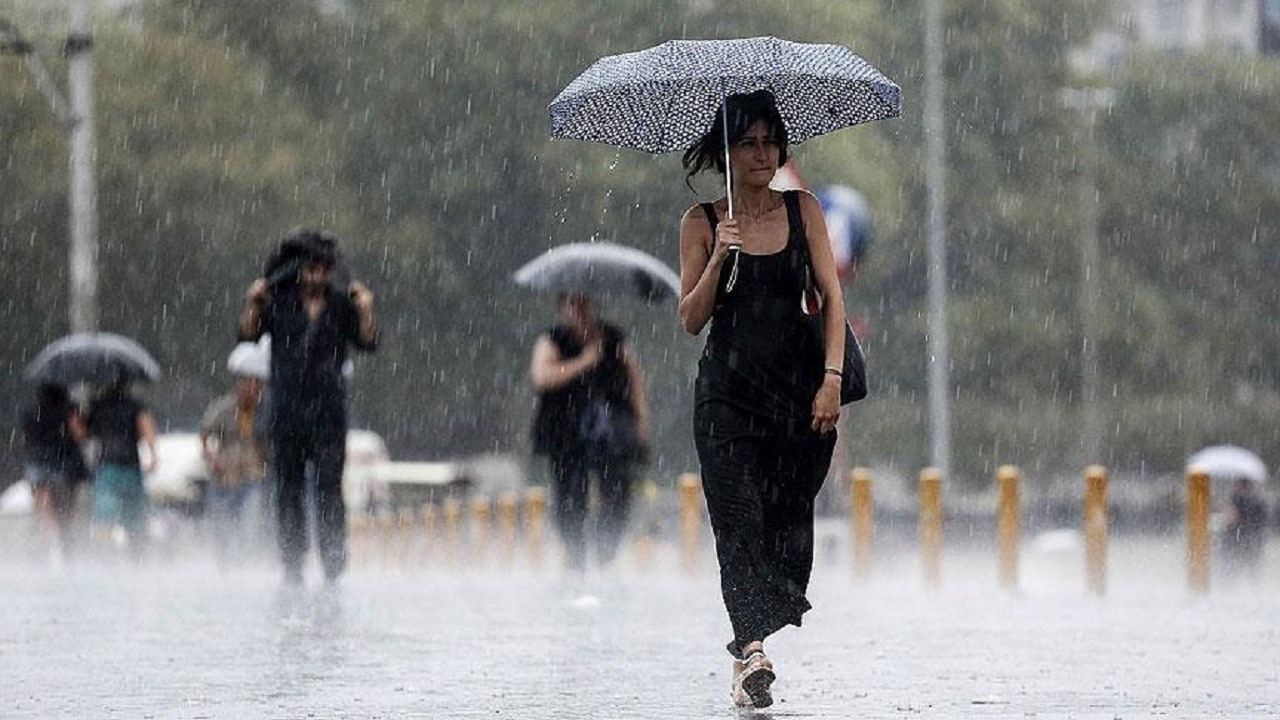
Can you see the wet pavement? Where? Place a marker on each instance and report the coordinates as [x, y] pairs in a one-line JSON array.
[[177, 638]]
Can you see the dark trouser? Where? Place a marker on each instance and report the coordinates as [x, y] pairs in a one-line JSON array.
[[760, 481], [571, 474], [326, 451]]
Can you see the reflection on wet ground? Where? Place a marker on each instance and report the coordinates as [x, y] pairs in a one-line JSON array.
[[179, 639]]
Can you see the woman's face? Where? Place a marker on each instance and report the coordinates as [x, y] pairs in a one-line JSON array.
[[754, 156]]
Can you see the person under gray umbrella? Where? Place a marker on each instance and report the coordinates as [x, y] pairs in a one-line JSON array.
[[592, 419], [99, 359]]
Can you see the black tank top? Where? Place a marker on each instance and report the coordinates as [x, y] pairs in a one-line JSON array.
[[761, 355]]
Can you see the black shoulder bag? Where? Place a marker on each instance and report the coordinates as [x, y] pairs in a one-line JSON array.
[[853, 374]]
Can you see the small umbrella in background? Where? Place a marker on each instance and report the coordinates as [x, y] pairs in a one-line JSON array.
[[1229, 463], [600, 270], [251, 359], [94, 358]]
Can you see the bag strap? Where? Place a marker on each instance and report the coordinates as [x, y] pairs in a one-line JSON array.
[[795, 224]]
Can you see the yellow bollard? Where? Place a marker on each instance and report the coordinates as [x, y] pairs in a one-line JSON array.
[[404, 539], [1095, 528], [690, 521], [644, 539], [386, 535], [479, 529], [1008, 521], [358, 532], [931, 526], [508, 519], [535, 499], [1198, 531], [860, 490], [452, 511], [429, 530]]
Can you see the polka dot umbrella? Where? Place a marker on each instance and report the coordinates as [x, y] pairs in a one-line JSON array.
[[665, 98]]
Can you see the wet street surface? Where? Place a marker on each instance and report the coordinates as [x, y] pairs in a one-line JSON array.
[[178, 638]]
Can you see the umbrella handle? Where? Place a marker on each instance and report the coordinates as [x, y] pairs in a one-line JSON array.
[[728, 181]]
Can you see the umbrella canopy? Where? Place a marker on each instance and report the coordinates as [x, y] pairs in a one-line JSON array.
[[600, 269], [95, 358], [252, 360], [664, 99], [1228, 462]]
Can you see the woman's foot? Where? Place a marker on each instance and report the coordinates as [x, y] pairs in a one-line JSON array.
[[752, 676]]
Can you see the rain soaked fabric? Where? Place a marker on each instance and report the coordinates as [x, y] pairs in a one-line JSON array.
[[325, 448], [762, 464], [113, 421], [568, 429], [307, 387]]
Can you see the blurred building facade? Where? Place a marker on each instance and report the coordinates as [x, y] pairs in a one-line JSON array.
[[1247, 26]]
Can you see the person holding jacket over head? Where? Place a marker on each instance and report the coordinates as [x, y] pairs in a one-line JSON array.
[[312, 318]]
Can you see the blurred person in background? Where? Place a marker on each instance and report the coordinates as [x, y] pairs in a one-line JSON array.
[[118, 422], [312, 316], [53, 464], [236, 460], [592, 419], [1245, 532]]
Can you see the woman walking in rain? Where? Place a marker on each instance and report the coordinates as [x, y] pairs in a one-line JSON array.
[[768, 391], [593, 417]]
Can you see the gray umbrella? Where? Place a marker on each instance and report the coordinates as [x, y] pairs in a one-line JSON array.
[[96, 358], [600, 269]]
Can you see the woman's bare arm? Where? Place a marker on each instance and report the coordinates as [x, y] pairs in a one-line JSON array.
[[548, 371]]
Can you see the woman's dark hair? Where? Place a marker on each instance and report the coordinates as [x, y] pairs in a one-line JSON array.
[[744, 111], [52, 396]]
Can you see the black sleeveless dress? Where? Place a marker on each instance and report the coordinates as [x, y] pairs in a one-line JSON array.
[[762, 464]]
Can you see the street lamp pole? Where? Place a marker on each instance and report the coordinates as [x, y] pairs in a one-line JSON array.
[[1088, 102], [75, 114], [935, 142], [83, 254]]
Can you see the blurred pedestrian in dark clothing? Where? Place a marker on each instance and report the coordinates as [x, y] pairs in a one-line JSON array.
[[1245, 533], [53, 464], [118, 422], [311, 318], [592, 419]]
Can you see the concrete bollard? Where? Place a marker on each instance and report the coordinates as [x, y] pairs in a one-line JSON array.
[[1198, 531], [1008, 520], [931, 526], [480, 529], [860, 496], [535, 516], [690, 521], [508, 522], [1095, 529]]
